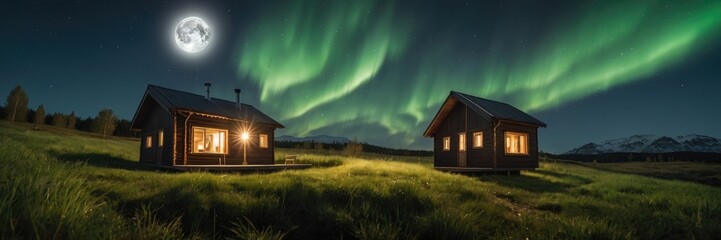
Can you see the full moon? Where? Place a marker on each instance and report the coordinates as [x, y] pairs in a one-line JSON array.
[[192, 35]]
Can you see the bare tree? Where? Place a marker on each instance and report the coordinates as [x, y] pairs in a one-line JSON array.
[[353, 148], [39, 116], [17, 104], [104, 123]]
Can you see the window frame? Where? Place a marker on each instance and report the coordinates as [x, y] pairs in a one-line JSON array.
[[161, 138], [505, 146], [474, 140], [443, 143], [462, 145], [194, 149], [260, 141], [149, 141]]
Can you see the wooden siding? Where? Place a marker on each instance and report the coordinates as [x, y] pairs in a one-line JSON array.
[[158, 119], [450, 127], [517, 161], [463, 119], [480, 157], [254, 154]]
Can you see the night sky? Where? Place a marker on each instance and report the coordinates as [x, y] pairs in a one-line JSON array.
[[379, 70]]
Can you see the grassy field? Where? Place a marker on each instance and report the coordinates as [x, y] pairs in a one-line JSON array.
[[706, 173], [77, 186]]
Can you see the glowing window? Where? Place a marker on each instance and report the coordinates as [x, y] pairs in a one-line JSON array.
[[461, 142], [263, 140], [446, 143], [160, 138], [477, 139], [149, 141], [516, 143], [210, 140]]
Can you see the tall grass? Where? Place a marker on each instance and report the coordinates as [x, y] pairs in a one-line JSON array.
[[69, 187], [40, 198], [317, 160]]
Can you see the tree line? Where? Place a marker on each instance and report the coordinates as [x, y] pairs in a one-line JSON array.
[[352, 148], [105, 123]]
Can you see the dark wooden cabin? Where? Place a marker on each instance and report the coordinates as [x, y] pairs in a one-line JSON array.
[[472, 134], [185, 129]]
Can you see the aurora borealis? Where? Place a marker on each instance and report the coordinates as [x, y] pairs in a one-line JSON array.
[[379, 70], [348, 64]]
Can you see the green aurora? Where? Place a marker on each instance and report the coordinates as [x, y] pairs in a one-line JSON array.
[[379, 72]]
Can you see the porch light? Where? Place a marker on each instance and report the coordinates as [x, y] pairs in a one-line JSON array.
[[244, 136]]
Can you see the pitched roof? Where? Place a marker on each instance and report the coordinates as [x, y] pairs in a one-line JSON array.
[[487, 108], [170, 99]]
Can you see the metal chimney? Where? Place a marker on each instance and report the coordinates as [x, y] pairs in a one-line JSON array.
[[237, 98], [207, 91]]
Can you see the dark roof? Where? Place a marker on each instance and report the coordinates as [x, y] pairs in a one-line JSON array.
[[170, 99], [484, 107]]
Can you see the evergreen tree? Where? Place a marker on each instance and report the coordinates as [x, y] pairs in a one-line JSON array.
[[17, 104], [104, 123], [122, 129], [48, 119], [72, 120], [39, 116], [60, 120], [86, 124], [30, 116]]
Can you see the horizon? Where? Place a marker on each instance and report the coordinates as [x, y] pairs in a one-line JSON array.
[[591, 71]]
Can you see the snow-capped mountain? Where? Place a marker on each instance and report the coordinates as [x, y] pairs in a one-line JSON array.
[[315, 139], [652, 144]]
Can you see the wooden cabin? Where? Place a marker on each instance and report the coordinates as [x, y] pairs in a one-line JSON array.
[[185, 129], [472, 134]]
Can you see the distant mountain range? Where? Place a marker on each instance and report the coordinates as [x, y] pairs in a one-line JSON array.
[[315, 139], [652, 144]]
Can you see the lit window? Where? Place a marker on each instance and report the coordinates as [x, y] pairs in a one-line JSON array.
[[263, 140], [446, 143], [462, 142], [160, 139], [210, 140], [149, 141], [478, 140], [516, 143]]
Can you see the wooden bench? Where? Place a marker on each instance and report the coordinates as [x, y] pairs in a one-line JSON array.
[[290, 158]]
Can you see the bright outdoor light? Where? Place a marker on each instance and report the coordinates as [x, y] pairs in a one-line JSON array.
[[244, 136]]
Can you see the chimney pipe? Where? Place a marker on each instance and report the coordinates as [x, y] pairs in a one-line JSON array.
[[237, 98], [207, 91]]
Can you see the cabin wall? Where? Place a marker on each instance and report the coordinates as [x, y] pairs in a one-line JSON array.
[[451, 126], [461, 119], [479, 157], [517, 161], [254, 154], [157, 119], [464, 120]]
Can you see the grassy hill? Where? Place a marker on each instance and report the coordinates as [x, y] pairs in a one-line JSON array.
[[61, 184]]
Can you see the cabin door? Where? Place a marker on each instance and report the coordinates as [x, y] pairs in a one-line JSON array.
[[462, 150]]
